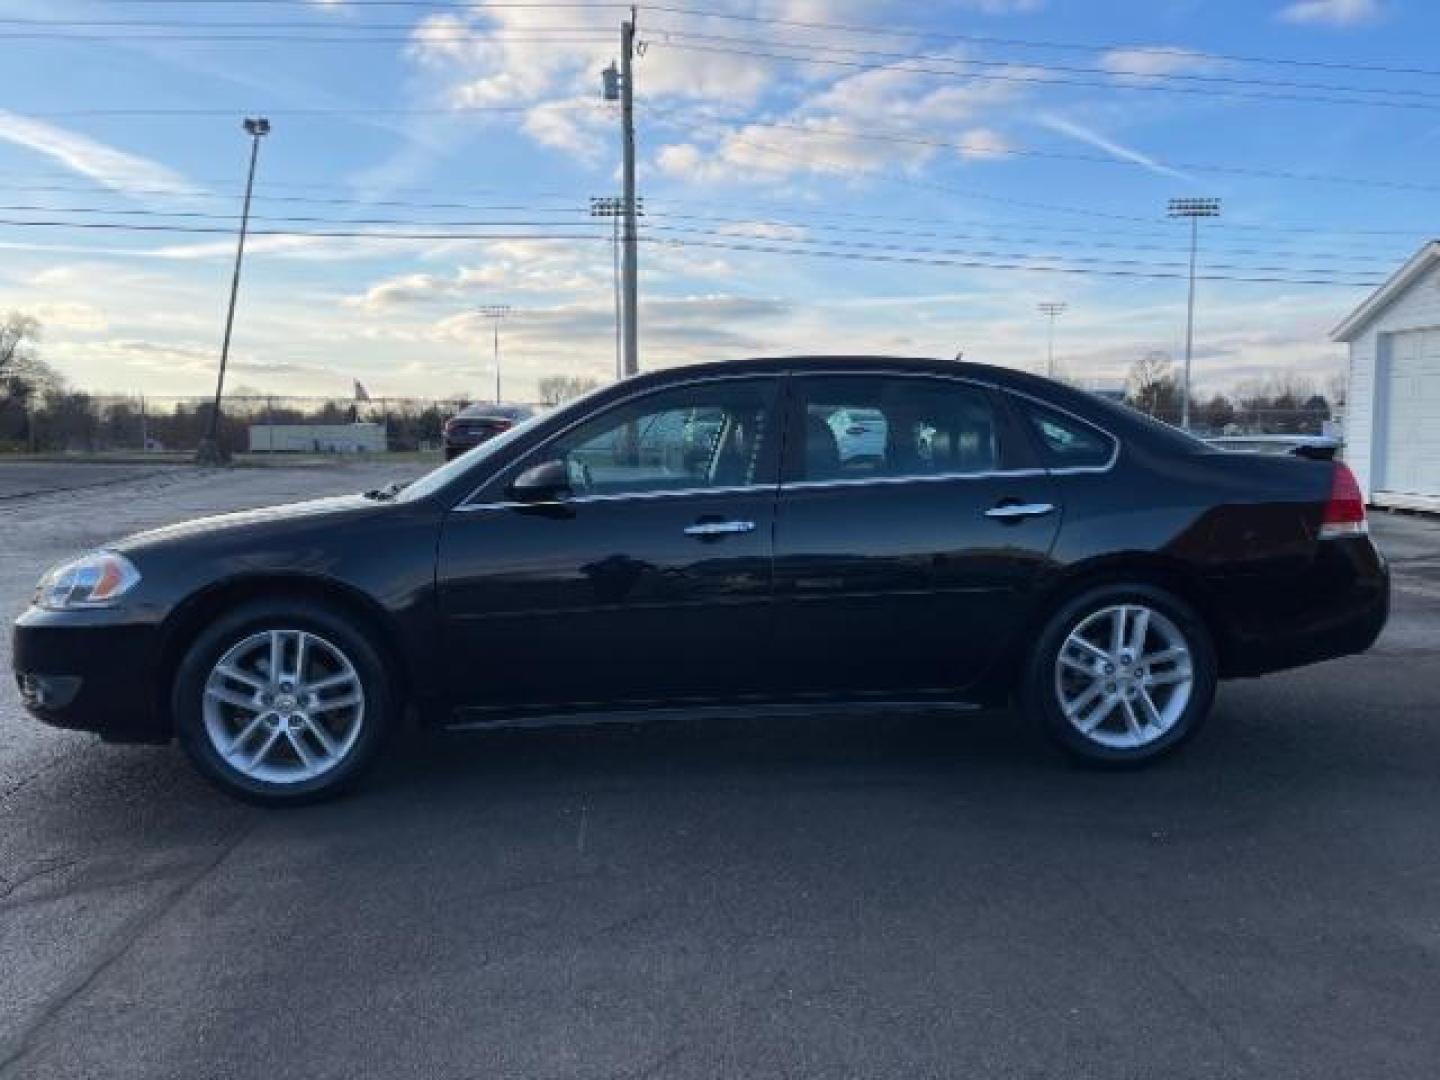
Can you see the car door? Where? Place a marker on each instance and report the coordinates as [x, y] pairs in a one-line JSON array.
[[648, 581], [903, 569]]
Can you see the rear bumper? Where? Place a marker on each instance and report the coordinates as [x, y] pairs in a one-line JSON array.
[[1337, 607], [89, 671]]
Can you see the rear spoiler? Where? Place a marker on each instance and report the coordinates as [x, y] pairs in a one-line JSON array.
[[1313, 447]]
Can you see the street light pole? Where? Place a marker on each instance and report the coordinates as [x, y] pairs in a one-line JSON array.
[[210, 451], [496, 312], [1194, 209], [1051, 309]]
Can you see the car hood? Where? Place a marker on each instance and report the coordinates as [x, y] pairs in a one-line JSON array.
[[277, 518]]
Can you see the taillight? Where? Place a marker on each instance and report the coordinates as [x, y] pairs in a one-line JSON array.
[[503, 425], [449, 426], [1345, 510]]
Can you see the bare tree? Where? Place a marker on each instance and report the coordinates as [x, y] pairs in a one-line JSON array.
[[1152, 387], [1338, 388], [22, 372], [556, 389]]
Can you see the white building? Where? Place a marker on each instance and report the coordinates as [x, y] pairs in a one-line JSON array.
[[317, 438], [1392, 415]]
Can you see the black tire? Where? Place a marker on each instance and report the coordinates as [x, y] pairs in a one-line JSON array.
[[1040, 697], [377, 716], [451, 453]]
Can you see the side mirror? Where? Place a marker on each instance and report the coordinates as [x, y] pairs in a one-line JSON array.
[[547, 482]]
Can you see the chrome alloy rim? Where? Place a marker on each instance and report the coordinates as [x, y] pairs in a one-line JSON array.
[[1124, 676], [283, 706]]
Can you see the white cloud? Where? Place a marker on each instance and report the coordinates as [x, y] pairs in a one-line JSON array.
[[104, 164], [983, 143], [1332, 12], [1139, 64], [1123, 153], [568, 125], [72, 316], [534, 267], [830, 131]]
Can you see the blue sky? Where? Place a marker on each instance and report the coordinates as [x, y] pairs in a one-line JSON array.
[[819, 175]]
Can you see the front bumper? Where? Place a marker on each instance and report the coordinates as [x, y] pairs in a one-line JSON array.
[[90, 671]]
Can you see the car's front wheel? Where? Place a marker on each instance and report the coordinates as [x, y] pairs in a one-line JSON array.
[[282, 701], [1121, 674]]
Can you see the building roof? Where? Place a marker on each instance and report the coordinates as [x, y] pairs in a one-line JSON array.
[[1422, 261]]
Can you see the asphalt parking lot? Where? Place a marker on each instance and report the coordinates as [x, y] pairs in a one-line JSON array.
[[904, 896]]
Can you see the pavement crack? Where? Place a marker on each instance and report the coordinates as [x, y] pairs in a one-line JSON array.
[[39, 870], [14, 1048]]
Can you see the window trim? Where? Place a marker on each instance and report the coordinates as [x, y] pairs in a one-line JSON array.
[[776, 380]]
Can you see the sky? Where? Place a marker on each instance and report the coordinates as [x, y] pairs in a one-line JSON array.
[[819, 176]]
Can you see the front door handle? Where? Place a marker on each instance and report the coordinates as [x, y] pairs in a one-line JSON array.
[[1011, 511], [719, 528]]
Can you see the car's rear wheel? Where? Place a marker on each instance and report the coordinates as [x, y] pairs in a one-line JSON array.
[[1121, 674], [282, 701]]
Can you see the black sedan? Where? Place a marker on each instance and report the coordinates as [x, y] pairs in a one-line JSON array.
[[476, 424], [696, 540]]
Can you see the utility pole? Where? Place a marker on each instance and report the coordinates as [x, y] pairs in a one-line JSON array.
[[496, 312], [620, 85], [1051, 309], [210, 452], [1194, 209], [613, 207]]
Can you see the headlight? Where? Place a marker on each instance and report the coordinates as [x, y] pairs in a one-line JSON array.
[[95, 581]]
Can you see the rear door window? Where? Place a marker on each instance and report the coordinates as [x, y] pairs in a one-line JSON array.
[[893, 427]]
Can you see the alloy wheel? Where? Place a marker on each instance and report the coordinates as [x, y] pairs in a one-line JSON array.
[[283, 706], [1124, 676]]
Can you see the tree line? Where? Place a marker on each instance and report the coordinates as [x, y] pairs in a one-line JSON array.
[[39, 412], [1284, 403]]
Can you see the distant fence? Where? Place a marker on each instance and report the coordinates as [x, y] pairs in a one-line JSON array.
[[1246, 420], [86, 423]]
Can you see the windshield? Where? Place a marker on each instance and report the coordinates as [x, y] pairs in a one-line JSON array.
[[436, 479]]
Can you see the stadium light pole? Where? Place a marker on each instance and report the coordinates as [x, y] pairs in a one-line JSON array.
[[496, 312], [210, 451], [1194, 209], [1051, 309]]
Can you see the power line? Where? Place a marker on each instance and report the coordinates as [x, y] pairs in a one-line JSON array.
[[831, 249], [1218, 86], [1024, 266], [981, 39], [1153, 226], [889, 31], [871, 135], [858, 65], [752, 224], [1110, 72]]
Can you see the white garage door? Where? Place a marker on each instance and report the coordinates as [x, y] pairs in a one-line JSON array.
[[1410, 458]]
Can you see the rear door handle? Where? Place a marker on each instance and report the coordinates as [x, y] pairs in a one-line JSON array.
[[1010, 511], [719, 528]]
